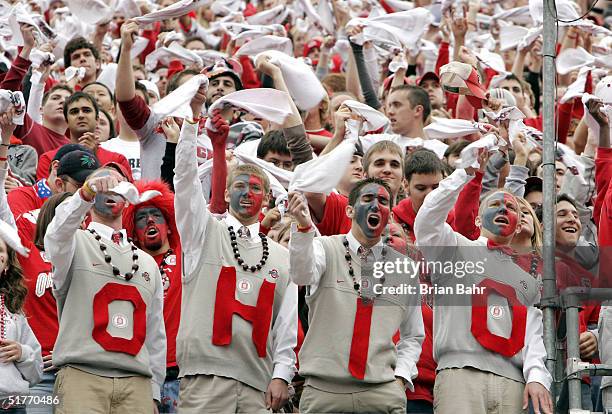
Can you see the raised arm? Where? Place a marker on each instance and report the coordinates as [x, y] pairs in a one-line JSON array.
[[124, 87], [60, 238], [306, 255], [219, 170], [189, 204], [430, 226]]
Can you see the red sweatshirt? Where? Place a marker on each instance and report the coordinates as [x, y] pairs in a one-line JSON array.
[[603, 213], [104, 156], [171, 281]]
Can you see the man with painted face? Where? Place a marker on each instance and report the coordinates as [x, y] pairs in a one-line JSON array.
[[350, 361], [486, 338], [110, 299], [239, 316], [153, 227]]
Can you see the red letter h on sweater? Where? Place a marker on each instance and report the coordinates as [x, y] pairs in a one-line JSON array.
[[226, 306]]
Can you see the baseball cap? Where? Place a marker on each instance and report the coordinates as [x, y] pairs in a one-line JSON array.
[[78, 165], [463, 79], [65, 149], [225, 67], [312, 44], [428, 76], [533, 183]]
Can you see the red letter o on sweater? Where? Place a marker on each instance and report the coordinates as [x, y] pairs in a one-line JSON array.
[[109, 293]]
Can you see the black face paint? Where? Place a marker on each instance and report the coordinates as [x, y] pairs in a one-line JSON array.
[[372, 210], [247, 192], [109, 205], [497, 207]]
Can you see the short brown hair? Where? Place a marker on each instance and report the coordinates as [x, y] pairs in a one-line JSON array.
[[334, 82], [249, 169], [381, 146]]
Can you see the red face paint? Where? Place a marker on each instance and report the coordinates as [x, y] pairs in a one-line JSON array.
[[372, 210], [151, 228], [247, 195], [500, 217]]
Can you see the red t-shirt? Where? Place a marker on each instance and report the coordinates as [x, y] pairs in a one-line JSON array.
[[171, 280], [38, 136], [24, 199], [40, 307], [104, 156], [335, 220]]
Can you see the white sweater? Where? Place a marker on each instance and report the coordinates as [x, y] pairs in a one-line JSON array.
[[17, 377]]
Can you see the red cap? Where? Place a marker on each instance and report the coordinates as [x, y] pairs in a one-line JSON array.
[[428, 76], [312, 44], [175, 66]]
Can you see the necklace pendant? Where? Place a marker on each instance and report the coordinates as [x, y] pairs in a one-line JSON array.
[[356, 286]]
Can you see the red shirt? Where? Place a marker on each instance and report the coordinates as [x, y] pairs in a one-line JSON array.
[[104, 156], [38, 136], [24, 199], [40, 307], [335, 220], [424, 382], [171, 280]]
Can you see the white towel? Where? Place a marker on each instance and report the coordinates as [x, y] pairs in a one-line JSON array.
[[322, 174], [38, 57], [15, 99], [128, 191], [404, 142], [566, 10], [576, 89], [265, 43], [175, 51], [270, 104], [247, 153], [92, 11], [275, 15], [178, 9], [303, 84], [518, 15], [573, 59], [373, 120], [469, 155], [442, 128], [108, 75], [71, 72], [177, 103]]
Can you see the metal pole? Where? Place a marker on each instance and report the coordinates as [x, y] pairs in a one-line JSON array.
[[549, 295], [573, 352]]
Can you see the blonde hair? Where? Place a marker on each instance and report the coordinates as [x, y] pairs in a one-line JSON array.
[[536, 237], [248, 169]]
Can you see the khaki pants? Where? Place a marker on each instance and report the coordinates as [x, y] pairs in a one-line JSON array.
[[385, 398], [82, 392], [470, 391], [214, 394], [606, 398]]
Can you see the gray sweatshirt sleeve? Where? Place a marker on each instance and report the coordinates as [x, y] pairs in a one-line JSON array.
[[491, 173], [516, 180], [299, 147]]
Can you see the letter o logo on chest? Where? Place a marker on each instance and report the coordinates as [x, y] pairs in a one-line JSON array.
[[109, 293]]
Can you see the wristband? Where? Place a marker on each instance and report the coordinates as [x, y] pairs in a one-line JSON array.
[[304, 229], [5, 145], [87, 193]]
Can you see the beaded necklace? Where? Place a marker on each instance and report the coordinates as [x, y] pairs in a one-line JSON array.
[[246, 267], [108, 259], [349, 261], [2, 318], [165, 278]]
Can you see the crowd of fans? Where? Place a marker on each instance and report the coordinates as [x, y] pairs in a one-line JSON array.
[[194, 196]]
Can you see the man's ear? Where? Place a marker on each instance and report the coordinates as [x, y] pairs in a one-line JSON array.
[[226, 196], [478, 222], [350, 212], [59, 184], [406, 186]]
